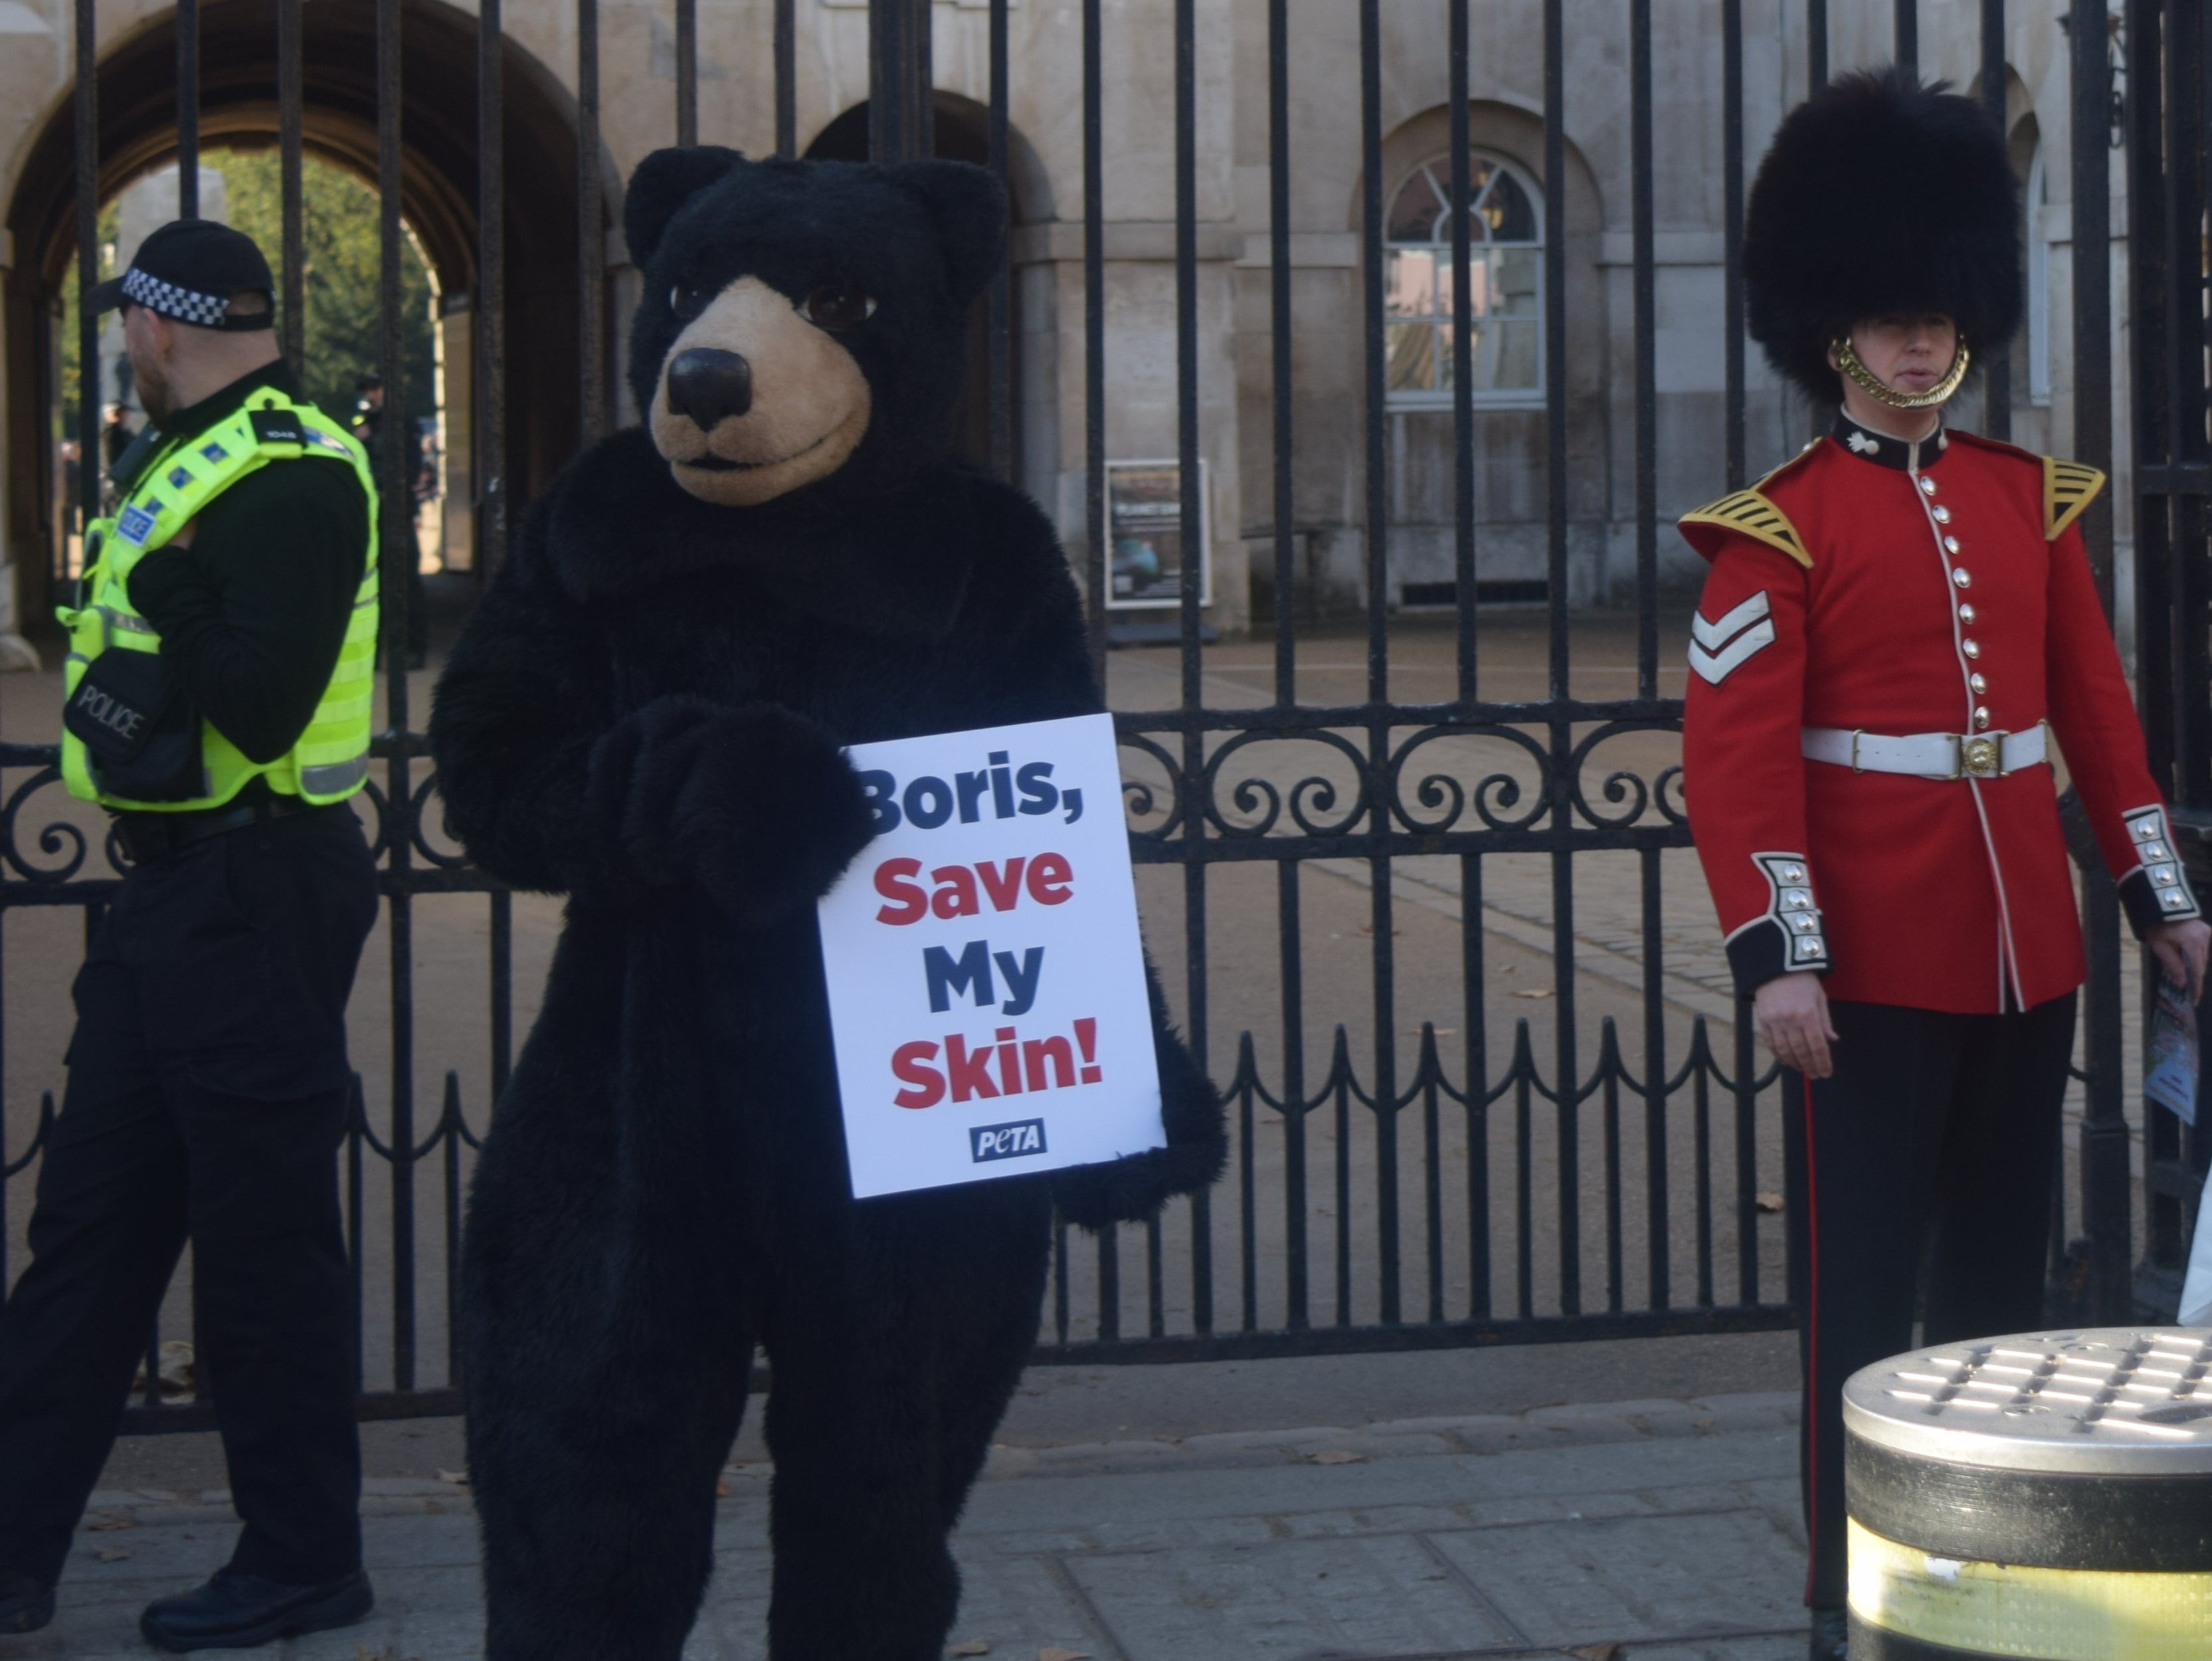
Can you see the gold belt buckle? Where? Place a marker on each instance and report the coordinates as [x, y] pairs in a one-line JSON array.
[[1981, 756]]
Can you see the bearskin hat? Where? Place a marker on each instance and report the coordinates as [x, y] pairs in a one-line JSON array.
[[1880, 195]]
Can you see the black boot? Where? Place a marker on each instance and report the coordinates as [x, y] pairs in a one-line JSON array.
[[1831, 1635], [236, 1611], [25, 1605]]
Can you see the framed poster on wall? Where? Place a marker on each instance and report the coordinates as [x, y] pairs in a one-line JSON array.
[[1143, 534]]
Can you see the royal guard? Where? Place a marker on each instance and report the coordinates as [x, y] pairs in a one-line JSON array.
[[1898, 639]]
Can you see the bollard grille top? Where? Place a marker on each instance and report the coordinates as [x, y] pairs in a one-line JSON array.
[[2111, 1401]]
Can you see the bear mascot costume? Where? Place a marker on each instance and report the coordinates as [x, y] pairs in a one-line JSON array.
[[646, 715]]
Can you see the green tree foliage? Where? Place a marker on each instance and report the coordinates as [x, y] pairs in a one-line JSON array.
[[343, 265], [343, 261], [108, 217]]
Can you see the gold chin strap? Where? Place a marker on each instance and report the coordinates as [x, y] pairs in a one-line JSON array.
[[1864, 378]]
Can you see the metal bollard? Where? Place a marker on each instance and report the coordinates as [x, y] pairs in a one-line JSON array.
[[2046, 1497]]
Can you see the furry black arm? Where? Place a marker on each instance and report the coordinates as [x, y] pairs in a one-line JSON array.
[[522, 700], [1130, 1189]]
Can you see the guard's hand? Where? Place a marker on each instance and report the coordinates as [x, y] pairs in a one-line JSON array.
[[2180, 949], [1791, 1013]]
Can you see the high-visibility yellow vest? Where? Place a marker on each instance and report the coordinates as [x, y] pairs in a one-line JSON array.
[[330, 760]]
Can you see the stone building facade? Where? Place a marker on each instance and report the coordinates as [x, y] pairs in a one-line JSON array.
[[636, 59]]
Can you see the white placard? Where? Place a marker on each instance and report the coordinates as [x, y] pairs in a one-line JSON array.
[[987, 982]]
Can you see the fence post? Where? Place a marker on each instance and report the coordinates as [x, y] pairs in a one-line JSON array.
[[900, 106]]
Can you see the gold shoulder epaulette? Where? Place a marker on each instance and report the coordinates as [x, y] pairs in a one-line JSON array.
[[2068, 488], [1752, 514]]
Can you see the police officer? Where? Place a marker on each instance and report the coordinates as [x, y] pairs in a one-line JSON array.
[[1898, 625], [217, 704]]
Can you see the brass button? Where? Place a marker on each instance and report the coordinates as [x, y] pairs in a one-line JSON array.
[[1981, 717]]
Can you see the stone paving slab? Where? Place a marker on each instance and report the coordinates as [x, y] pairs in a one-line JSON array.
[[1644, 1523], [1626, 1577], [1389, 1595]]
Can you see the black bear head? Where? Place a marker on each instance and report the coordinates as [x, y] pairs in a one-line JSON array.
[[802, 319]]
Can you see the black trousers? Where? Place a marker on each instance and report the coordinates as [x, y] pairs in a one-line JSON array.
[[1937, 1136], [207, 1099]]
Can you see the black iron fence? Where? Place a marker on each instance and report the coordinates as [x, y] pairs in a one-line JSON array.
[[2169, 176], [1602, 1166]]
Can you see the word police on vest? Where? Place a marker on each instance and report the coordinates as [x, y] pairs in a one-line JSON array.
[[927, 802], [92, 704]]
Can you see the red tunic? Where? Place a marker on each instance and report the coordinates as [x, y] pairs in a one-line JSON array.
[[1868, 588]]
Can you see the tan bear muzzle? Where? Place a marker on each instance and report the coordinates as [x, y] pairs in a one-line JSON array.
[[755, 401]]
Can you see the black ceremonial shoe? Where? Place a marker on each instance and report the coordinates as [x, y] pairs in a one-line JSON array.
[[25, 1605], [236, 1611], [1831, 1635]]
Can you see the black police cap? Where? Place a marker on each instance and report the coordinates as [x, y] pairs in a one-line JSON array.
[[190, 270]]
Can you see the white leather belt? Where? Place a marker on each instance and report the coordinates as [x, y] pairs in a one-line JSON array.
[[1927, 755]]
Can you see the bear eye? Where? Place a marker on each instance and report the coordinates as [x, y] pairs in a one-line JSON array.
[[837, 306], [686, 303]]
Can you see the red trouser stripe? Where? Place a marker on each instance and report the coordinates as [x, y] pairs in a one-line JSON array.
[[1812, 1353]]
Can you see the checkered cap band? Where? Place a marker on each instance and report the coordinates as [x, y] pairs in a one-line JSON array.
[[186, 305]]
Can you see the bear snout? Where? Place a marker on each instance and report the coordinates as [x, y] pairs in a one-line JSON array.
[[709, 385]]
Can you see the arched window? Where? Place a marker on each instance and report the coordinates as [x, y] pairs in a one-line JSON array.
[[2039, 284], [1505, 233]]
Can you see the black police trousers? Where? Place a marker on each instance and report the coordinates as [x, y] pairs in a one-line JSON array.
[[207, 1098], [1934, 1142]]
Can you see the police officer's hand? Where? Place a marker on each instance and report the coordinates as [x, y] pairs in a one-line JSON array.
[[2180, 949], [1791, 1012], [755, 807]]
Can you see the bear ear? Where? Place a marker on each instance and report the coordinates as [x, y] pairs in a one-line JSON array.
[[663, 182], [968, 205]]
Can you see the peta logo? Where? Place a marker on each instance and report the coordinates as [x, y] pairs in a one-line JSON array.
[[1006, 1141]]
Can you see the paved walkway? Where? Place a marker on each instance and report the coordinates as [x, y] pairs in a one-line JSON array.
[[1667, 1528]]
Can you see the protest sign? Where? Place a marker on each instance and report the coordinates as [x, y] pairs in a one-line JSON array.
[[987, 982]]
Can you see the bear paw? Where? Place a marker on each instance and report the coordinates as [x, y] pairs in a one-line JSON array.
[[756, 806]]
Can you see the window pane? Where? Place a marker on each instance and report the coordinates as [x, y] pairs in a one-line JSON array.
[[1409, 283], [1511, 215], [1479, 170], [1517, 282], [1517, 359], [1414, 215], [1413, 356]]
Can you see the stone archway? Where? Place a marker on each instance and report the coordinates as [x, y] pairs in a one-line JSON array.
[[238, 110]]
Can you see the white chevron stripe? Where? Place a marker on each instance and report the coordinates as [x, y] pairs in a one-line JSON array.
[[1717, 667], [1710, 635]]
